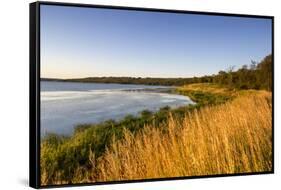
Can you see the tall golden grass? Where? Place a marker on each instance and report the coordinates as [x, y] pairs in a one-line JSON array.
[[235, 137]]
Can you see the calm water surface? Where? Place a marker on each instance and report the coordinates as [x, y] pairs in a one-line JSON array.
[[66, 104]]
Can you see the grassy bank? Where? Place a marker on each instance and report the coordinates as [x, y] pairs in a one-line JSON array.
[[222, 133], [207, 93]]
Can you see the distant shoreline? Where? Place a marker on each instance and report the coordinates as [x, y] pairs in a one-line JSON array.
[[127, 80], [156, 88]]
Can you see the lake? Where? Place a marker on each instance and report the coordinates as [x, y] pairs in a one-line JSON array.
[[66, 104]]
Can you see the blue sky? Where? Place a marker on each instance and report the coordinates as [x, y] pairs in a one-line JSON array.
[[83, 42]]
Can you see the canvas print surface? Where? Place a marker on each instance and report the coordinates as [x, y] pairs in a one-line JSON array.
[[133, 95]]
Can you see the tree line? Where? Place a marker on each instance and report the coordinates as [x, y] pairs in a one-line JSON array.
[[252, 76]]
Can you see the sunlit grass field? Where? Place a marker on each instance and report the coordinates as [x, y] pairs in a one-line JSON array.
[[231, 132], [231, 138]]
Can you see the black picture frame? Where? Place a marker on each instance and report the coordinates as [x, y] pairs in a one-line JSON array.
[[34, 91]]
